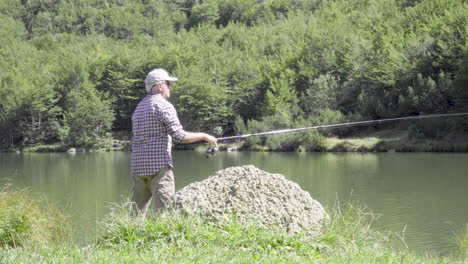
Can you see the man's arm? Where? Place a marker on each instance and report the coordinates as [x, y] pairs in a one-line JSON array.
[[191, 137], [176, 131]]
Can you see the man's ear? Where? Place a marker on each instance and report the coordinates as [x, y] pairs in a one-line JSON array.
[[159, 88]]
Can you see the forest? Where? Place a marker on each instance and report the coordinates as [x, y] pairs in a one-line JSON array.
[[72, 71]]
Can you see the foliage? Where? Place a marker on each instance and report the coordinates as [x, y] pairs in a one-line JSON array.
[[245, 59], [307, 140], [89, 118]]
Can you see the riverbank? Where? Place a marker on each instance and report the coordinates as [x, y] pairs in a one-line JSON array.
[[385, 141], [382, 141], [349, 237], [118, 145]]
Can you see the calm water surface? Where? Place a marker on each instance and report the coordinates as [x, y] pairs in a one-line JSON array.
[[422, 196]]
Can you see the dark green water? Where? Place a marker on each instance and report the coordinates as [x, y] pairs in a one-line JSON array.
[[422, 196]]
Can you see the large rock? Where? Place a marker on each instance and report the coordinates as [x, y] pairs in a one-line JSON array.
[[253, 194]]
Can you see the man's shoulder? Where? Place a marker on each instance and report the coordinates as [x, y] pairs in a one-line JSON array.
[[161, 102]]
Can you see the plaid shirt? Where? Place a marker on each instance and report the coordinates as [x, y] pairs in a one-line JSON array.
[[155, 125]]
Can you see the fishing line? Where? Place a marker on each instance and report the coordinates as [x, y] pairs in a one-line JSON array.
[[340, 125], [213, 150]]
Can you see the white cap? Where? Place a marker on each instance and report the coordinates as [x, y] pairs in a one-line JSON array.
[[156, 76]]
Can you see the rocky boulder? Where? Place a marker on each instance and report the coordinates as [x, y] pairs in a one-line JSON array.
[[253, 194]]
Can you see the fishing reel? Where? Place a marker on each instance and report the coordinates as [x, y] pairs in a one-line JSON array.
[[211, 151]]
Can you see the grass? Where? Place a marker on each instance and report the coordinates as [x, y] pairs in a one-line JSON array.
[[172, 237], [462, 250], [399, 140], [24, 221], [352, 144]]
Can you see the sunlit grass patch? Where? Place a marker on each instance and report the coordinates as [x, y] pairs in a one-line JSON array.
[[175, 229], [462, 240], [352, 144], [348, 236], [25, 221]]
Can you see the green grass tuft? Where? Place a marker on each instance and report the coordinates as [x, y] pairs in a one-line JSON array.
[[462, 249], [24, 221]]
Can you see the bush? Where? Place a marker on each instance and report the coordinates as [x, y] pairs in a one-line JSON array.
[[343, 147], [307, 140]]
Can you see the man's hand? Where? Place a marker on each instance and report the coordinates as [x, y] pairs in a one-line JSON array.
[[210, 140], [191, 137]]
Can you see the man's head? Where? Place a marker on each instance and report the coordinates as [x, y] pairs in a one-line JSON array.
[[159, 81]]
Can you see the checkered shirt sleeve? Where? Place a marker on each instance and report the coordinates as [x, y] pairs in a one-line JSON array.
[[155, 126]]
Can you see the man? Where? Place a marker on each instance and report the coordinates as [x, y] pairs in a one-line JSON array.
[[155, 126]]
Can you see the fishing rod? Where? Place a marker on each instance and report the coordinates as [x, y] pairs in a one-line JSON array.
[[212, 150]]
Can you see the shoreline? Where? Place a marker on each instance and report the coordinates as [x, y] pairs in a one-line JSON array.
[[331, 144]]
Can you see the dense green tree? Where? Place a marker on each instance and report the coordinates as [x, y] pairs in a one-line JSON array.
[[206, 12], [88, 118], [73, 70]]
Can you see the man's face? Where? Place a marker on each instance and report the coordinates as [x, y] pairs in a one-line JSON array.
[[164, 88]]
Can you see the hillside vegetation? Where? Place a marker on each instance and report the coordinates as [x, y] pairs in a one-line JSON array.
[[72, 72]]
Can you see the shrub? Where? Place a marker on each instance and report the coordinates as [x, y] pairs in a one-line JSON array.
[[343, 147]]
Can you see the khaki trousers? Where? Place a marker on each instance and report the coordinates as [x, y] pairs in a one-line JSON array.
[[158, 188]]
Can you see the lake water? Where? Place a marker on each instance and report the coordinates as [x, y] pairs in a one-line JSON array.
[[422, 196]]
